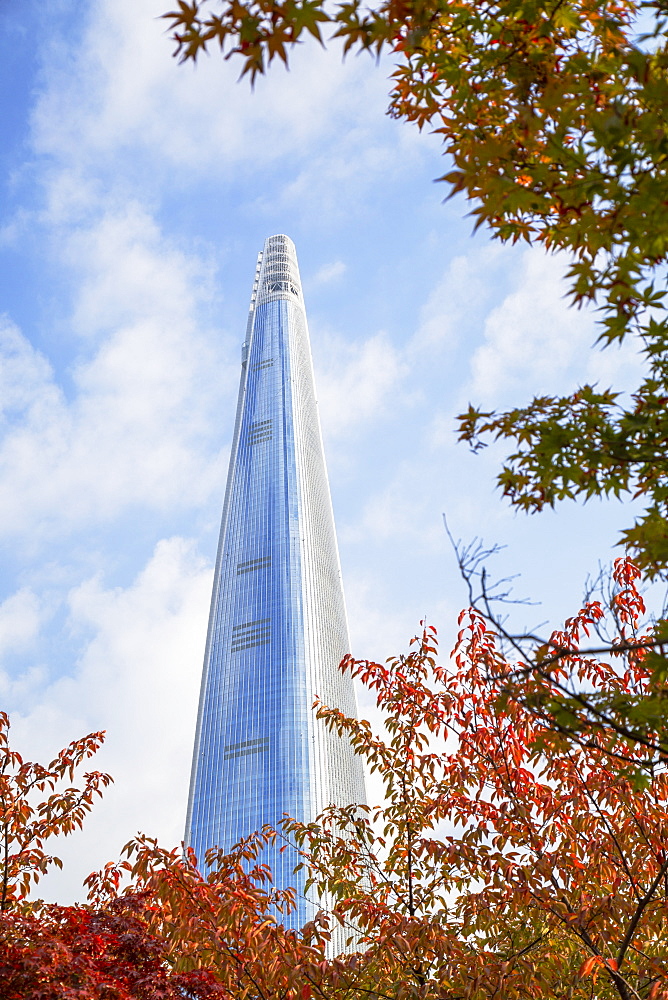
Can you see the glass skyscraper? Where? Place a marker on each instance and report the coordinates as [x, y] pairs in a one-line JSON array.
[[277, 628]]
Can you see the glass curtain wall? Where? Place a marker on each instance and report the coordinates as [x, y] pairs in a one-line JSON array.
[[277, 628]]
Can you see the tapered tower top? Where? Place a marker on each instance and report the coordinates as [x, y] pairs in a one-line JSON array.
[[276, 273]]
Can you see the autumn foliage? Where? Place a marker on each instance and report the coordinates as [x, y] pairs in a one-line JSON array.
[[507, 859], [78, 953], [26, 823], [229, 924]]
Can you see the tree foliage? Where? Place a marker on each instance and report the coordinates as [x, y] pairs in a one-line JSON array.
[[553, 116], [50, 952], [628, 702], [505, 861], [228, 924], [78, 953], [510, 857], [27, 822]]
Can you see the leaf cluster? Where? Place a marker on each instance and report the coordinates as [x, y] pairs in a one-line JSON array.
[[85, 954], [590, 444], [227, 923], [26, 821], [614, 641], [513, 861]]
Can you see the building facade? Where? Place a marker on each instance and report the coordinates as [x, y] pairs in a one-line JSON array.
[[277, 628]]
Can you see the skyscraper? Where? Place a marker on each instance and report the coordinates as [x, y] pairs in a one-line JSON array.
[[277, 627]]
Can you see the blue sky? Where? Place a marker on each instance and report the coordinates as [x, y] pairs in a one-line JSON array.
[[134, 197]]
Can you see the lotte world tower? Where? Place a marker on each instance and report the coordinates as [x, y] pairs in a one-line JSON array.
[[277, 628]]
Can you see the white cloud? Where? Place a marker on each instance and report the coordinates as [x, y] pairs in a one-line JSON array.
[[329, 273], [26, 378], [536, 339], [119, 114], [138, 678], [130, 272], [532, 338], [464, 288], [139, 425], [399, 513], [341, 176], [122, 88], [619, 366], [20, 617], [355, 382]]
